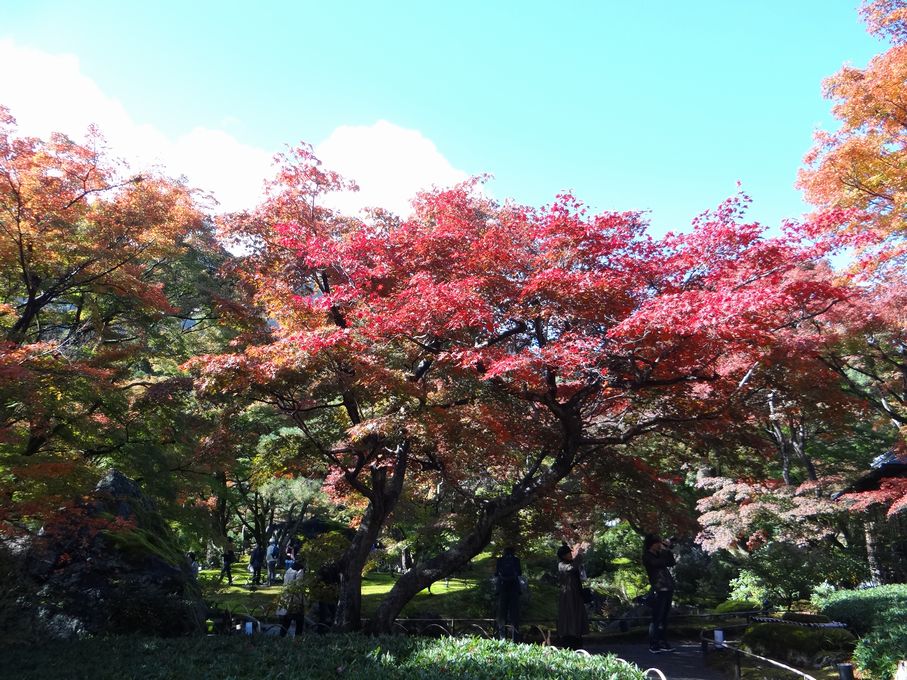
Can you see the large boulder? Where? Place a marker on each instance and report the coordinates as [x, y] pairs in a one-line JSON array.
[[109, 564]]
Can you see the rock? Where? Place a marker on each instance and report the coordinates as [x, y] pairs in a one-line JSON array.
[[109, 565]]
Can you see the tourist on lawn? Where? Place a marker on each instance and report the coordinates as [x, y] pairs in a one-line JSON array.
[[292, 600], [657, 558], [271, 556], [229, 559], [507, 575], [256, 562], [572, 622]]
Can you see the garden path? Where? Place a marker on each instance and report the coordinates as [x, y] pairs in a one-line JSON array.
[[686, 663]]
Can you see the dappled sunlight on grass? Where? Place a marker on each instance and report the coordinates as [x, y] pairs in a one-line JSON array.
[[468, 595]]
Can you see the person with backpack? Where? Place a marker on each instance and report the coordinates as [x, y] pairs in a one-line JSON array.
[[271, 557], [507, 574]]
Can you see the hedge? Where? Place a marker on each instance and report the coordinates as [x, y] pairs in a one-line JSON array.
[[354, 657], [729, 606], [864, 610]]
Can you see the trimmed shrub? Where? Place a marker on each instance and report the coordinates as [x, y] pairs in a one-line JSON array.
[[353, 657], [878, 653], [804, 617], [729, 606], [814, 647], [864, 610]]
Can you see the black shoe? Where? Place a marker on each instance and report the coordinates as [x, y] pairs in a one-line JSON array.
[[665, 647], [655, 650]]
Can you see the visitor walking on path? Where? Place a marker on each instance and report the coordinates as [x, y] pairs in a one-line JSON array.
[[229, 559], [656, 558], [507, 574], [572, 622]]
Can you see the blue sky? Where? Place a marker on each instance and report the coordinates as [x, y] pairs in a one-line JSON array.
[[650, 105]]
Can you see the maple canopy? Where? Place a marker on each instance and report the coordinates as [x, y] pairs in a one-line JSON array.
[[99, 270], [860, 167], [493, 345]]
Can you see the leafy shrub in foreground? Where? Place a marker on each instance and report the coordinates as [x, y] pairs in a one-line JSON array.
[[878, 653], [353, 657], [799, 645], [864, 610]]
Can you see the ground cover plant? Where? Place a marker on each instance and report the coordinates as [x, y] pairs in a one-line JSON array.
[[879, 651], [314, 657], [799, 645]]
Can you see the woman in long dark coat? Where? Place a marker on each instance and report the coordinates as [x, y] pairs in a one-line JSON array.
[[572, 622]]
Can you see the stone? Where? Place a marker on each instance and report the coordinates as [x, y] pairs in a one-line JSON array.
[[109, 564]]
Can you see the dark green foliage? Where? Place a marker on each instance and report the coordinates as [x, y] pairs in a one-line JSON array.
[[878, 653], [702, 578], [863, 610], [813, 647], [729, 606], [804, 617], [790, 572], [615, 546], [353, 657]]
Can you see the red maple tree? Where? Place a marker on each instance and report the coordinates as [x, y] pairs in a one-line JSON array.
[[494, 346]]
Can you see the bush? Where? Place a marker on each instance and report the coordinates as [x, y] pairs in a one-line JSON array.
[[804, 617], [878, 653], [798, 645], [864, 610], [729, 606], [354, 657], [703, 579]]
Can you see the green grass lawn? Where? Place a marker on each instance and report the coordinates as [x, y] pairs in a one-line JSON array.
[[468, 595]]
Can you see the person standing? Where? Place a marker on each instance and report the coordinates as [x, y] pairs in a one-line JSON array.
[[507, 573], [292, 600], [194, 566], [229, 559], [271, 557], [572, 622], [256, 562], [657, 558]]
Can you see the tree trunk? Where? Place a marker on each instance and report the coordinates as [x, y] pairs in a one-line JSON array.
[[872, 552], [384, 495], [426, 572], [349, 600]]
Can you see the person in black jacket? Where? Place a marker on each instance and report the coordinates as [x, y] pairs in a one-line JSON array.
[[507, 575], [656, 558], [229, 559]]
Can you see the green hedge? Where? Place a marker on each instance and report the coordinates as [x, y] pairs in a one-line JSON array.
[[864, 610], [878, 653], [804, 617], [799, 645], [729, 606], [354, 657]]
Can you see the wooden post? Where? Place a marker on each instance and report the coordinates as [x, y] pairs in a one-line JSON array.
[[902, 671]]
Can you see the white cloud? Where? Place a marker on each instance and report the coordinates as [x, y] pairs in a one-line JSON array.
[[389, 163], [48, 92]]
